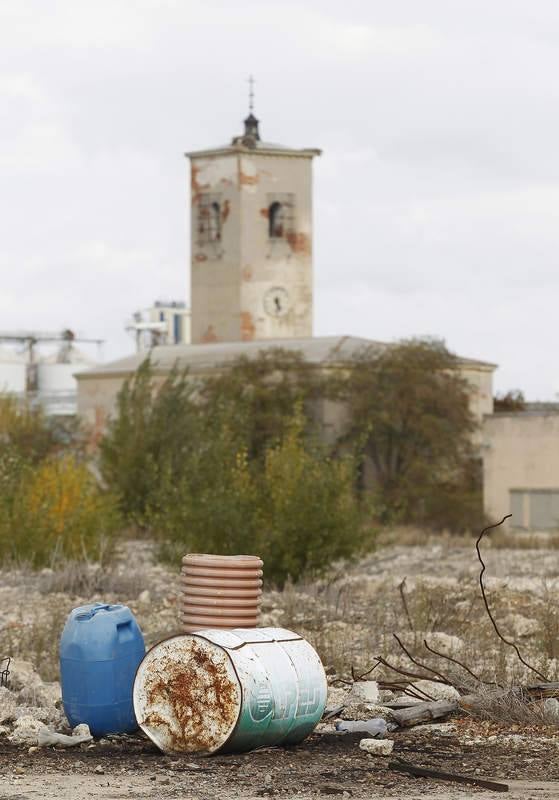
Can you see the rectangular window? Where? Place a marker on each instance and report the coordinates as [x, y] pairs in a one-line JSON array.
[[536, 509], [177, 328], [209, 219], [517, 508], [281, 215]]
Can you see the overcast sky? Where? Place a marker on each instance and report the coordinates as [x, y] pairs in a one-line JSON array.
[[436, 197]]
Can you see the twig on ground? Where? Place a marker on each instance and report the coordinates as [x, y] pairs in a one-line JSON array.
[[508, 642]]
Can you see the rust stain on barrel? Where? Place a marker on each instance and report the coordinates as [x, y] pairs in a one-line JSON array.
[[197, 692]]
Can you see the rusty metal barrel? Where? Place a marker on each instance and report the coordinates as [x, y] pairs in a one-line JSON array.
[[229, 691], [220, 591]]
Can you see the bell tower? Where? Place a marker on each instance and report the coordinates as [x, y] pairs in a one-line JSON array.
[[251, 240]]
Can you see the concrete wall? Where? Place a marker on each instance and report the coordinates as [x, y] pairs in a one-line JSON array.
[[481, 397], [230, 278], [520, 452]]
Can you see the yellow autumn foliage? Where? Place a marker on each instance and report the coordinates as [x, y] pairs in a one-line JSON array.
[[57, 510]]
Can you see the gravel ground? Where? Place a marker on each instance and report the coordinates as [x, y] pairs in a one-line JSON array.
[[324, 765], [427, 591]]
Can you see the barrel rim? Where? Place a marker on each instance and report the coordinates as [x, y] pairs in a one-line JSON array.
[[196, 635]]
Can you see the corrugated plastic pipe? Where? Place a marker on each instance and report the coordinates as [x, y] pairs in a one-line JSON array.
[[220, 591]]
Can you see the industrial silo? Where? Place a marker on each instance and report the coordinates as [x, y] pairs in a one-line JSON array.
[[13, 373], [57, 388]]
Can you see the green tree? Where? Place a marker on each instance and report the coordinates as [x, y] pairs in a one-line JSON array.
[[298, 511], [309, 510], [259, 395], [513, 400], [409, 414], [155, 428]]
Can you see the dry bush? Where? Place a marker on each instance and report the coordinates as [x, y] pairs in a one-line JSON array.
[[511, 707], [83, 579], [53, 510]]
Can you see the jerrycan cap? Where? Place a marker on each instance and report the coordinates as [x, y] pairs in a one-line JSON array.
[[87, 612]]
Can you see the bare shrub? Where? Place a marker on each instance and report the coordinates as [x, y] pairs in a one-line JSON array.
[[510, 707]]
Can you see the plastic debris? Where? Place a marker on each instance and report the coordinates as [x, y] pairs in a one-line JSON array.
[[48, 738], [377, 747], [376, 728]]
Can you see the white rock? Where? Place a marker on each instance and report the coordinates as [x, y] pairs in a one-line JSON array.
[[23, 675], [82, 730], [144, 598], [523, 626], [437, 691], [367, 711], [337, 697], [46, 715], [42, 695], [26, 731], [444, 642], [377, 747], [365, 692], [551, 707], [7, 704]]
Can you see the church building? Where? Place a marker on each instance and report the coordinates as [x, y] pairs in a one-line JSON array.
[[251, 276]]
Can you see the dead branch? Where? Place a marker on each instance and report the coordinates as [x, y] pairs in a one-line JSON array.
[[407, 673], [459, 663], [423, 712], [401, 587], [508, 642], [443, 678], [354, 677], [427, 772]]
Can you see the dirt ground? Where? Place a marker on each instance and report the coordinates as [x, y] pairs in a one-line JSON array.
[[419, 590], [324, 765]]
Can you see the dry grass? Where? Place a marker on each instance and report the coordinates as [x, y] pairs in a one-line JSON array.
[[36, 641], [513, 707], [500, 539]]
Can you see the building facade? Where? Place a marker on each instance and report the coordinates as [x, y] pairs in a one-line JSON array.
[[521, 467], [251, 240]]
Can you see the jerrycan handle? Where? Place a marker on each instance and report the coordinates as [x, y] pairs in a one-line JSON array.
[[124, 630], [83, 615]]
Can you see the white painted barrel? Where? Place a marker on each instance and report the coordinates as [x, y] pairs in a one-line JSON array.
[[229, 690]]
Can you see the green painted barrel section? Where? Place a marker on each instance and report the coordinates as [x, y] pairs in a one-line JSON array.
[[283, 686]]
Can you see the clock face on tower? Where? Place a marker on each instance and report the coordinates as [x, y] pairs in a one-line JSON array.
[[276, 301]]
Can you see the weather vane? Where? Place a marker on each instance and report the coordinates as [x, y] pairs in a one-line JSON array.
[[251, 94]]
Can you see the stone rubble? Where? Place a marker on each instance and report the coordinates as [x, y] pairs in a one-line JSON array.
[[377, 747]]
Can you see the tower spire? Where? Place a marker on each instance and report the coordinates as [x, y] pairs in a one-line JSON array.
[[251, 135], [250, 94]]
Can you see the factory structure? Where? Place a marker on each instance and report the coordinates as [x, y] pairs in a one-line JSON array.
[[40, 367]]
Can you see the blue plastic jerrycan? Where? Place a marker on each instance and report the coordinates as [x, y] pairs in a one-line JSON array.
[[100, 649]]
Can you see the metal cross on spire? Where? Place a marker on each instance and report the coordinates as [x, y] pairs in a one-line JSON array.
[[251, 94]]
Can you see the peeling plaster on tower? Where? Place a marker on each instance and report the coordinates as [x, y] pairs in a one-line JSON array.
[[251, 240]]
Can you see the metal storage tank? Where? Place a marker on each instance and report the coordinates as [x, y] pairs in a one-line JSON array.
[[13, 372], [57, 388]]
